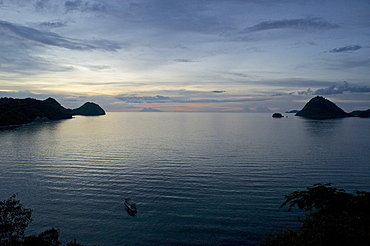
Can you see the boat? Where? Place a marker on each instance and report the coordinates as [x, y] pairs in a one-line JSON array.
[[130, 206]]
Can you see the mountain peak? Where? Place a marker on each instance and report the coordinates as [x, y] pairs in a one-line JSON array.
[[89, 109], [321, 108]]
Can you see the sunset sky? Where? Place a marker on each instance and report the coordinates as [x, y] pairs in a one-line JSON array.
[[188, 55]]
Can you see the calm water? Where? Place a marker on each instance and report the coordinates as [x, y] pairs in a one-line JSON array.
[[197, 179]]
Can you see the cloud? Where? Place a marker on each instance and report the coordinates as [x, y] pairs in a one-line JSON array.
[[218, 91], [53, 24], [73, 5], [84, 6], [348, 48], [336, 89], [182, 60], [302, 24], [144, 99], [53, 39], [181, 99], [21, 62], [309, 92], [21, 94], [340, 89]]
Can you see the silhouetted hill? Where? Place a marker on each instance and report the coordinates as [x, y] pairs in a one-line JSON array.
[[321, 108], [89, 109], [24, 111]]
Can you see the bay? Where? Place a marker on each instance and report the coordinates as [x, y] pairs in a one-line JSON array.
[[197, 178]]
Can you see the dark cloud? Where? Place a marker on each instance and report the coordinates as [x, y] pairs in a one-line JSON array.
[[73, 5], [53, 24], [218, 91], [348, 48], [182, 60], [336, 89], [53, 39], [308, 92], [303, 24], [84, 6], [98, 67], [340, 89]]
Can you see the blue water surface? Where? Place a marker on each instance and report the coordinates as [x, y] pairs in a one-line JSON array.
[[197, 178]]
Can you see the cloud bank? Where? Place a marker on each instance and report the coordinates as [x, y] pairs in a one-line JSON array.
[[336, 89], [53, 39], [348, 48], [308, 23]]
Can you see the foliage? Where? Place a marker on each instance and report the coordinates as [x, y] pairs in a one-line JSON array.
[[46, 238], [334, 218], [14, 219]]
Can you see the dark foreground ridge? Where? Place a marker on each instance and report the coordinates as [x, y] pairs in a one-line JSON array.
[[24, 111], [321, 108]]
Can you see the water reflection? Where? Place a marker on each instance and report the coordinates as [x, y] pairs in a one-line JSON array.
[[322, 127], [33, 127]]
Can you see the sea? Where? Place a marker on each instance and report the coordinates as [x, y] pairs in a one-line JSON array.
[[196, 178]]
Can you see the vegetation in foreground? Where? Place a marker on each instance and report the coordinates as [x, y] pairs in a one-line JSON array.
[[334, 217], [14, 219]]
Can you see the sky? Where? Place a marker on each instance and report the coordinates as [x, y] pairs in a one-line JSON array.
[[193, 55]]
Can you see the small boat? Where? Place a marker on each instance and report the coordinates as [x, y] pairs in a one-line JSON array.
[[130, 206]]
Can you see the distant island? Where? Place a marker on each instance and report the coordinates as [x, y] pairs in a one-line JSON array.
[[24, 111], [150, 110], [294, 111], [359, 113], [321, 108]]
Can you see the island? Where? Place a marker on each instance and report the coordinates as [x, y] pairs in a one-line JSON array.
[[359, 113], [293, 111], [150, 110], [321, 108], [24, 111], [277, 115], [88, 109]]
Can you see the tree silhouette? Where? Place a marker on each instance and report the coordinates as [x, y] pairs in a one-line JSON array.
[[334, 218], [14, 219]]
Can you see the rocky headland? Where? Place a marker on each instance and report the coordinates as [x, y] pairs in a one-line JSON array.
[[24, 111], [88, 109], [321, 108]]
